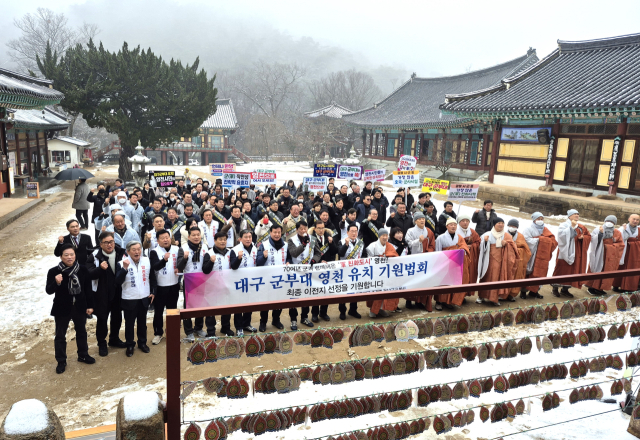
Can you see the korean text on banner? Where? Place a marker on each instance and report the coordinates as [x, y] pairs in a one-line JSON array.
[[236, 180], [218, 168], [463, 191], [435, 186], [263, 176], [406, 179], [325, 170], [350, 172], [163, 178], [407, 163], [316, 183], [374, 175], [277, 283]]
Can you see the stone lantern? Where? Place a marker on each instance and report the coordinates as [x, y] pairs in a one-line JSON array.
[[138, 162]]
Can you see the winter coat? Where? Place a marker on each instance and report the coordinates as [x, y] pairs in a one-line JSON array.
[[63, 302], [104, 281], [480, 219], [80, 201]]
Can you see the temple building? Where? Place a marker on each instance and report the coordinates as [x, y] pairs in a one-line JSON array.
[[330, 131], [410, 122], [571, 121]]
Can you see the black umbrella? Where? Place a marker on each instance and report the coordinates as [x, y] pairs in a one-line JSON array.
[[73, 174]]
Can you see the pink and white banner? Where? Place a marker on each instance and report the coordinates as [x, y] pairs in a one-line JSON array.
[[374, 175], [277, 283]]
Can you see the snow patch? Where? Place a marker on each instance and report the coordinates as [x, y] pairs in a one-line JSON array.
[[140, 405], [26, 417]]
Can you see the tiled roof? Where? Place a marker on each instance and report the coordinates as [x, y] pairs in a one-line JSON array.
[[24, 92], [74, 141], [223, 118], [333, 110], [416, 103], [36, 119], [593, 74]]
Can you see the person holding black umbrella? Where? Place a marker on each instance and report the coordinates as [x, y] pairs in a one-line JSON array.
[[81, 204]]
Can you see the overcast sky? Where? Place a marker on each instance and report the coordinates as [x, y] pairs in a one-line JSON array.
[[428, 37]]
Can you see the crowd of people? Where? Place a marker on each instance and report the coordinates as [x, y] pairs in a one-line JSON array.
[[147, 238]]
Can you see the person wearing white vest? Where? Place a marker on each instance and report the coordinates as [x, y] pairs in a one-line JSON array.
[[217, 259], [208, 226], [300, 251], [351, 248], [164, 261], [191, 256], [272, 252], [243, 256], [150, 240], [138, 284]]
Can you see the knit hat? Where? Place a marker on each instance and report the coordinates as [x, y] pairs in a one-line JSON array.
[[382, 231], [115, 207], [418, 215], [451, 220], [497, 220], [513, 222], [611, 218], [536, 215], [464, 217], [571, 212]]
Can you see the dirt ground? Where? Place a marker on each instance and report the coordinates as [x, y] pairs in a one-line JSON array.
[[27, 363]]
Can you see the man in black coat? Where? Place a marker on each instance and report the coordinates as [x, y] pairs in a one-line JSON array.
[[442, 220], [485, 218], [73, 301], [98, 200], [102, 266], [80, 242], [400, 219]]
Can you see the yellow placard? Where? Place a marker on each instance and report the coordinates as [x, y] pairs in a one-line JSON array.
[[435, 186]]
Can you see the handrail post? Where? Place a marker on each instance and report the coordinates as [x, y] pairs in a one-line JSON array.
[[173, 374]]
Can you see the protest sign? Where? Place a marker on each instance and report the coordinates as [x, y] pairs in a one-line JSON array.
[[163, 178], [350, 172], [236, 179], [277, 283], [263, 176], [406, 179], [218, 168], [325, 170], [435, 186], [463, 192], [315, 183], [407, 163], [374, 175]]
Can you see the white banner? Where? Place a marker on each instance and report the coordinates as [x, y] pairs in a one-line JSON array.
[[374, 175], [350, 172], [407, 163], [263, 176], [278, 283], [236, 180], [406, 179], [463, 192], [316, 183]]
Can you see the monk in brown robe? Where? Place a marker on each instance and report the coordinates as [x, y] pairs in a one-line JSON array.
[[424, 302], [573, 246], [541, 244], [523, 257], [630, 255], [382, 248], [448, 241], [498, 255], [472, 238], [605, 253]]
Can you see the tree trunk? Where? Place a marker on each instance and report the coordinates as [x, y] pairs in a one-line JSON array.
[[124, 167]]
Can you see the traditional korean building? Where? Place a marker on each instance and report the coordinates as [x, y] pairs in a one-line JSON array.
[[26, 124], [586, 95], [330, 127], [409, 121], [212, 144]]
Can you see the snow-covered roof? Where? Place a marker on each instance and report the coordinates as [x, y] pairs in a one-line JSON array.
[[333, 110], [72, 140], [36, 119], [223, 118]]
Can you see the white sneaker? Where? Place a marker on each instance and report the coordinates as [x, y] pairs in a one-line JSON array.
[[156, 339], [201, 333], [479, 301], [190, 338], [240, 333], [372, 315], [384, 313]]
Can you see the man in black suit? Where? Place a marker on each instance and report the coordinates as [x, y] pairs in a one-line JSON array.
[[102, 266], [81, 242]]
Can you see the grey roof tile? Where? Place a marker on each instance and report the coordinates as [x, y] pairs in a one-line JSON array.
[[223, 118], [333, 110], [25, 89]]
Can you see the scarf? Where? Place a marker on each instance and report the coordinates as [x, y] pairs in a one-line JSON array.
[[72, 273], [539, 227], [237, 222], [196, 248], [372, 227], [399, 245], [499, 236], [120, 232], [112, 260]]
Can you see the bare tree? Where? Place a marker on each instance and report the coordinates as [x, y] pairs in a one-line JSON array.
[[444, 158], [41, 27], [349, 88]]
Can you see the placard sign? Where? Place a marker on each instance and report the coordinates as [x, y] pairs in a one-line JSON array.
[[407, 163], [315, 183], [325, 170], [350, 172], [263, 176], [236, 180], [374, 175], [33, 190], [463, 192], [435, 186], [163, 178], [217, 169], [406, 179]]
